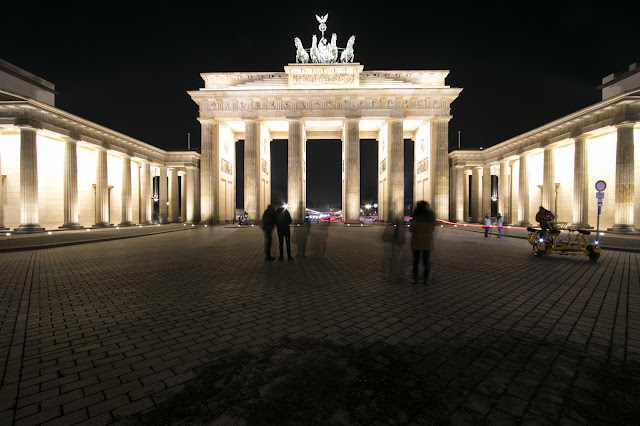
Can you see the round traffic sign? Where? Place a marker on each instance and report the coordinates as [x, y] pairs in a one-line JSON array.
[[601, 185]]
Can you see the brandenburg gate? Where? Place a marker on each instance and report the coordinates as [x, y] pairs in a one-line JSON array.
[[324, 95]]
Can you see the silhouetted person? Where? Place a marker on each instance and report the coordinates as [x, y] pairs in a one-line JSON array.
[[283, 219], [302, 234], [268, 223], [421, 228]]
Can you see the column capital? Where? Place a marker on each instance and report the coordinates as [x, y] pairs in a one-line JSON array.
[[28, 124], [71, 138], [442, 118], [625, 125]]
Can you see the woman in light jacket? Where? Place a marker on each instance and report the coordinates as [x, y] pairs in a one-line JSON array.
[[421, 228]]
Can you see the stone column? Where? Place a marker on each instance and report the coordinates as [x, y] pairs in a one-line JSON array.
[[146, 190], [465, 198], [183, 196], [523, 192], [476, 195], [624, 208], [440, 174], [70, 185], [458, 208], [209, 169], [191, 194], [295, 178], [2, 227], [486, 192], [163, 198], [351, 209], [252, 170], [102, 190], [549, 179], [173, 193], [126, 196], [395, 171], [29, 215], [503, 191], [580, 184]]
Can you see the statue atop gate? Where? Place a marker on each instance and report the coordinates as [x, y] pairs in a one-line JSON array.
[[324, 52]]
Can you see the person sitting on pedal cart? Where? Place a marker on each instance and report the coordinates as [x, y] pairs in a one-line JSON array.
[[545, 218]]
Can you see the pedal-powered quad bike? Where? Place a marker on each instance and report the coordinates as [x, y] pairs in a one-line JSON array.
[[575, 243]]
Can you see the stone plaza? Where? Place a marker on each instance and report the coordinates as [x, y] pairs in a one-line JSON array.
[[190, 325]]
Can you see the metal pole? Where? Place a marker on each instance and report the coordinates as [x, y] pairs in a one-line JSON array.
[[188, 140], [598, 224]]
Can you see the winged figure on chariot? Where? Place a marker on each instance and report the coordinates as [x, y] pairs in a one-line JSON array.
[[324, 52]]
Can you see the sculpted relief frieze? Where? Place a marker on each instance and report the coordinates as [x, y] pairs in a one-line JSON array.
[[322, 79], [331, 104]]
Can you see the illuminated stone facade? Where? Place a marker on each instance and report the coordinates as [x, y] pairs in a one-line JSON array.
[[61, 171], [324, 101], [558, 164]]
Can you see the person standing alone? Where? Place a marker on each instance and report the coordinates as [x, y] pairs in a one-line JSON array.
[[499, 222], [268, 222], [421, 229], [487, 225], [283, 219]]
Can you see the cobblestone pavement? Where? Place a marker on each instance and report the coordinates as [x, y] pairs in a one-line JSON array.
[[100, 333]]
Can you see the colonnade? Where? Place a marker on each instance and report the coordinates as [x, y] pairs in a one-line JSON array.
[[30, 201], [536, 176], [390, 136]]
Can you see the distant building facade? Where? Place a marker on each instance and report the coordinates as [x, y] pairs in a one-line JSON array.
[[58, 170], [557, 165]]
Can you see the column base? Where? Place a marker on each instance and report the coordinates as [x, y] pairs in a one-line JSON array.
[[71, 226], [102, 225], [624, 229], [146, 222], [127, 223], [28, 228], [523, 224]]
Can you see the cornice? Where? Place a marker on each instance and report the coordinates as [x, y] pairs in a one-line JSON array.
[[623, 110], [43, 116]]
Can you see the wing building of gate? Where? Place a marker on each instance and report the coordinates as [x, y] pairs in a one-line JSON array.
[[323, 96]]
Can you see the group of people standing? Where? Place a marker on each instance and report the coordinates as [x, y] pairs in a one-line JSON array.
[[279, 219], [487, 225]]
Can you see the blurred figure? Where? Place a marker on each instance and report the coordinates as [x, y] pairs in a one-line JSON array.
[[323, 236], [394, 235], [268, 223], [283, 219], [302, 234], [421, 228], [499, 222]]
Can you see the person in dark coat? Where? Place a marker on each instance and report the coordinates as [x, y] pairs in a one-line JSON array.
[[283, 219], [421, 228], [268, 223]]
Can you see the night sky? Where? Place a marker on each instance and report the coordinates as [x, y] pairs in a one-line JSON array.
[[128, 65]]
